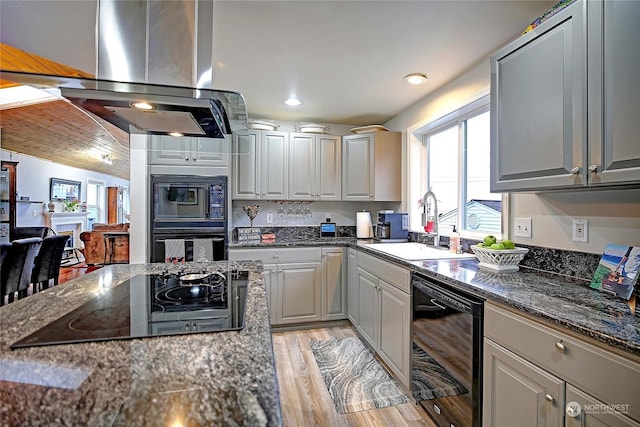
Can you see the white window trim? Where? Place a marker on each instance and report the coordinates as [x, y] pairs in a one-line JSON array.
[[416, 164]]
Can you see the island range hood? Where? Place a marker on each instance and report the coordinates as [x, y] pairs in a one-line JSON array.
[[157, 109], [154, 62]]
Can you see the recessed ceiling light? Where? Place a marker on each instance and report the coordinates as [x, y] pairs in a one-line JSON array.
[[175, 134], [415, 78], [292, 102], [142, 105]]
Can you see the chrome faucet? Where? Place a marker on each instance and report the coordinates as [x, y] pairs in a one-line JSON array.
[[425, 201]]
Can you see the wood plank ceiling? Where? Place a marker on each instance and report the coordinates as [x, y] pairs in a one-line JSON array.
[[58, 131]]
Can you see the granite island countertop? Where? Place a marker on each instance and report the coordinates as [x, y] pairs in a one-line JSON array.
[[217, 378], [564, 301]]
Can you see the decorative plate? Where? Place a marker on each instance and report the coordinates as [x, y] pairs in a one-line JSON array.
[[312, 128], [370, 128], [261, 125]]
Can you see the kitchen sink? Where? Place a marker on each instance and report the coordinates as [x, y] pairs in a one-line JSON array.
[[412, 251]]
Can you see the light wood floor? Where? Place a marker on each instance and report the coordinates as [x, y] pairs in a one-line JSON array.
[[304, 397]]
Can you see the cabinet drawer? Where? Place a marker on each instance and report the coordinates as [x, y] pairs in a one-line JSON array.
[[276, 255], [393, 274], [605, 375]]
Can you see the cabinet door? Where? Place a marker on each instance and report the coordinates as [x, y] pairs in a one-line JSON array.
[[357, 167], [614, 92], [590, 412], [538, 107], [299, 293], [269, 275], [516, 392], [395, 326], [352, 286], [368, 307], [246, 172], [275, 165], [169, 150], [210, 151], [302, 166], [334, 297], [328, 168]]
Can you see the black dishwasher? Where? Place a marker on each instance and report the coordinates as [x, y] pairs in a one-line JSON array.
[[446, 362]]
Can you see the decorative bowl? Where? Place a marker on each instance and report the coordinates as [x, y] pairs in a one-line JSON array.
[[500, 260]]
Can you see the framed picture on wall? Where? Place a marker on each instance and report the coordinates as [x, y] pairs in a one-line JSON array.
[[64, 189]]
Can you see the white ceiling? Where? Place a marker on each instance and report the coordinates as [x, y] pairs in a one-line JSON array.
[[346, 59]]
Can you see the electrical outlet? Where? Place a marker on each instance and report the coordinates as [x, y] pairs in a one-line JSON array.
[[269, 218], [523, 227], [580, 230]]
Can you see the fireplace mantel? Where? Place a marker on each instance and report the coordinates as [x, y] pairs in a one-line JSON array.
[[78, 221]]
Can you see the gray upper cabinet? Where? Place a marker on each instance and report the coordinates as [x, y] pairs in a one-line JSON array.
[[371, 166], [314, 167], [169, 150], [563, 100], [614, 92], [260, 165]]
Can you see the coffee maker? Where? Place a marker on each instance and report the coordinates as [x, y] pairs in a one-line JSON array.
[[392, 226]]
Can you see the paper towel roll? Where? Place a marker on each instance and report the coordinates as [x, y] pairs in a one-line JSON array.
[[364, 230]]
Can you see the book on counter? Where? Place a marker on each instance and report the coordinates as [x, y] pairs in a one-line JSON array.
[[617, 272]]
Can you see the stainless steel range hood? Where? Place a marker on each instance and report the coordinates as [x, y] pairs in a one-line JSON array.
[[170, 110], [159, 52]]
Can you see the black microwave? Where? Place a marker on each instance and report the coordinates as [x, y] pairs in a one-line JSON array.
[[189, 202]]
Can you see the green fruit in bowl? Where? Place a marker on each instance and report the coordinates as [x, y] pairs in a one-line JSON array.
[[498, 247], [480, 245], [508, 244], [489, 240]]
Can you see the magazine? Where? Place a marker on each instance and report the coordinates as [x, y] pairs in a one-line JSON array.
[[617, 272]]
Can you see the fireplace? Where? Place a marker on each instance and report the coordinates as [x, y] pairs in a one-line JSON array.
[[72, 223]]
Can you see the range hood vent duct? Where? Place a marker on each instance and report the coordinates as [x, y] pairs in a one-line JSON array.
[[159, 52]]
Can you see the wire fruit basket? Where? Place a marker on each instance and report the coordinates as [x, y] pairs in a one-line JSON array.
[[500, 260]]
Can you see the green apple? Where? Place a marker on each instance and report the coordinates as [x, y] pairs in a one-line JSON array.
[[508, 244], [480, 245], [489, 240], [498, 247]]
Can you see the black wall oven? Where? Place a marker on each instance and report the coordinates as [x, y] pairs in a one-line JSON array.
[[189, 218], [446, 362]]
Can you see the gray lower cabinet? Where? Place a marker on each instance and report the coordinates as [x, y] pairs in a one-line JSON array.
[[565, 98], [517, 392], [298, 290], [592, 412], [302, 284], [352, 285], [535, 374], [334, 289], [384, 313]]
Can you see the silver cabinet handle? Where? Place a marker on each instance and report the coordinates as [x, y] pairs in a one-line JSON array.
[[186, 159], [194, 159], [575, 170], [186, 327], [276, 256], [440, 306], [593, 168], [548, 398], [560, 347]]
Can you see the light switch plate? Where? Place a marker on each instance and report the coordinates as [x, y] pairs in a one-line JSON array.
[[522, 227]]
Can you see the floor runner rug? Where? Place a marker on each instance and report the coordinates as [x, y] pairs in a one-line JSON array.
[[356, 381], [430, 380]]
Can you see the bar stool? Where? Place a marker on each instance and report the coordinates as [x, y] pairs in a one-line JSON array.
[[17, 267]]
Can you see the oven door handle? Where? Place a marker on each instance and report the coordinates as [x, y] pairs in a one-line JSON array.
[[437, 304]]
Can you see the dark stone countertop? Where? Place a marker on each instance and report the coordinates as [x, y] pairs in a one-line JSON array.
[[564, 301], [204, 379]]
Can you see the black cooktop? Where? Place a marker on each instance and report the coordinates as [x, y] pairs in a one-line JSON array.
[[150, 305]]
